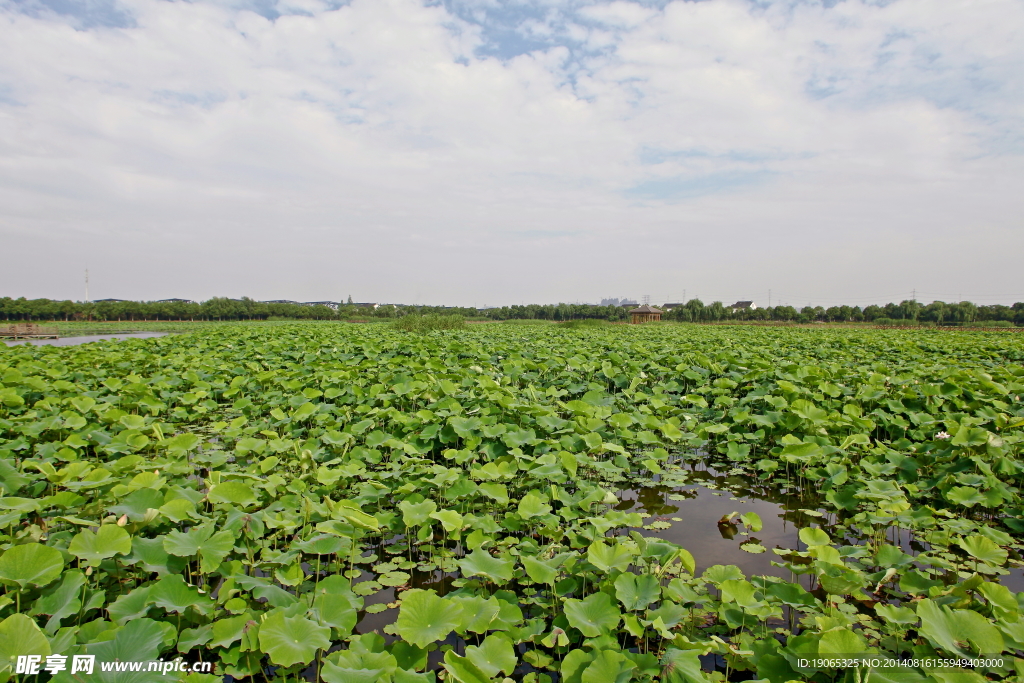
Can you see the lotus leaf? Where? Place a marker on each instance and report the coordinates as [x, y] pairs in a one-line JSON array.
[[30, 564], [984, 550], [957, 631], [594, 615], [19, 635], [493, 655], [482, 563], [233, 493], [292, 640], [610, 556], [425, 618], [637, 592], [108, 541], [61, 600]]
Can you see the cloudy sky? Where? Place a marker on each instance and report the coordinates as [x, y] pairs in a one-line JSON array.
[[506, 151]]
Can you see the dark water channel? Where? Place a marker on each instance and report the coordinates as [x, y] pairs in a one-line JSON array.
[[74, 341], [695, 525], [694, 511]]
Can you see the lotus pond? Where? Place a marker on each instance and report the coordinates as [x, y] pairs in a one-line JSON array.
[[515, 503]]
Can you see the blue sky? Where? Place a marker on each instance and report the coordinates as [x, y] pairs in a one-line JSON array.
[[489, 151]]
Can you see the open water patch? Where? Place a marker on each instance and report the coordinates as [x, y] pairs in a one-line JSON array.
[[74, 341]]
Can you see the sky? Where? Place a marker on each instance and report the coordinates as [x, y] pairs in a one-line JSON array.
[[494, 152]]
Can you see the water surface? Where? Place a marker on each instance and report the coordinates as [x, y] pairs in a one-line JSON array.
[[73, 341]]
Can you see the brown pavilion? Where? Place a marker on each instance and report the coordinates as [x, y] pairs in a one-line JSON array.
[[644, 314]]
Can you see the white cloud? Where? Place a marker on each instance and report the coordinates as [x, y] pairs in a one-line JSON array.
[[376, 149]]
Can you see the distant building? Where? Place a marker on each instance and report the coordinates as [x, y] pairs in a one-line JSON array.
[[281, 301], [618, 302], [644, 314], [366, 305], [110, 301], [333, 305], [669, 307], [174, 301], [743, 306]]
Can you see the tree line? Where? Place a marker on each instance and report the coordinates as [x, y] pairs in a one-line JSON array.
[[222, 308], [217, 308], [695, 310]]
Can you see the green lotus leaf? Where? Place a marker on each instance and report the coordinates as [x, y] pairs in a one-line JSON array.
[[891, 556], [610, 556], [424, 618], [19, 635], [149, 554], [211, 547], [302, 412], [292, 640], [137, 504], [359, 519], [338, 610], [62, 600], [572, 665], [957, 631], [608, 666], [332, 673], [637, 592], [404, 676], [482, 563], [752, 521], [956, 676], [179, 510], [791, 594], [463, 670], [718, 573], [233, 493], [496, 492], [841, 641], [494, 654], [393, 578], [593, 615], [174, 595], [739, 591], [450, 520], [30, 564], [984, 549], [19, 504], [225, 632], [813, 536], [681, 666], [914, 581], [130, 606], [478, 613], [896, 615], [137, 640], [322, 544], [415, 514], [533, 505], [968, 436], [194, 637], [181, 443], [543, 571], [92, 547], [967, 496]]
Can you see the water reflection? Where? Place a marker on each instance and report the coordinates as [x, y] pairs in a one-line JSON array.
[[696, 514], [74, 341]]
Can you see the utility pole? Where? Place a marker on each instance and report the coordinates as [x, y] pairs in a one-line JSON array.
[[914, 296], [86, 285], [769, 298]]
